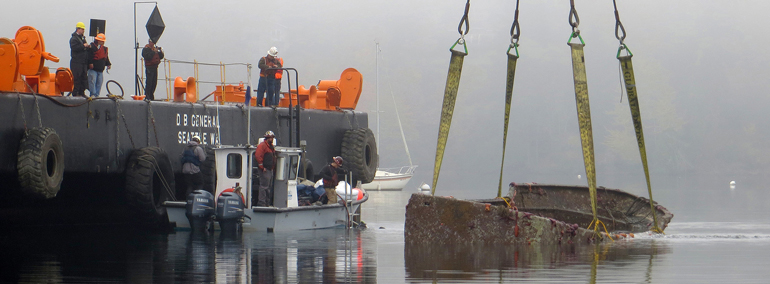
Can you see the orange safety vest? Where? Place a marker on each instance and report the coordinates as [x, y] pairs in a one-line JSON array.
[[279, 73]]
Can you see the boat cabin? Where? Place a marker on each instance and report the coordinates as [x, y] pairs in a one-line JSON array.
[[235, 165]]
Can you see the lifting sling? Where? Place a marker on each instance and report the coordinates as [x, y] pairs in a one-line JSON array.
[[633, 103], [511, 74], [583, 111], [450, 94]]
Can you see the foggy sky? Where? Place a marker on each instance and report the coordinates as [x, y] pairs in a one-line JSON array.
[[700, 70]]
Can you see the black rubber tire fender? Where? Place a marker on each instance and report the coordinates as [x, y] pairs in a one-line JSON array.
[[306, 170], [359, 152], [40, 163], [146, 171]]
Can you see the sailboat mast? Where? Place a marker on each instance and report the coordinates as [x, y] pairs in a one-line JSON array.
[[377, 91]]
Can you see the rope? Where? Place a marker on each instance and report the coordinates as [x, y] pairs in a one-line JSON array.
[[574, 22], [120, 112], [618, 25], [37, 105], [21, 108], [163, 180], [463, 21], [596, 223], [152, 119]]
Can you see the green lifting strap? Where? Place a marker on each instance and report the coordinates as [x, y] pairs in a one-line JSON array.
[[450, 96], [508, 94], [636, 116], [584, 120]]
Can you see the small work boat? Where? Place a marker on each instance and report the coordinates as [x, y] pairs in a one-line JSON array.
[[236, 212]]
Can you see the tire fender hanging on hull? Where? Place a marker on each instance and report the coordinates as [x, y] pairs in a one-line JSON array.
[[40, 163], [149, 182], [359, 151]]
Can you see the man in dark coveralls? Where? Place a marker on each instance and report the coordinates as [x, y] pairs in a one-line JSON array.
[[79, 60], [152, 55]]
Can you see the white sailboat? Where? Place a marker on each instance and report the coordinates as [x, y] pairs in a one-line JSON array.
[[389, 178]]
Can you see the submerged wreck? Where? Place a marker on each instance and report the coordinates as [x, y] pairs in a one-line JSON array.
[[530, 213]]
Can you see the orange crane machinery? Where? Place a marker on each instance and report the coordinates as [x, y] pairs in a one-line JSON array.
[[25, 56]]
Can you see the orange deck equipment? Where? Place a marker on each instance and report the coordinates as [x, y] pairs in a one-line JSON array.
[[25, 56]]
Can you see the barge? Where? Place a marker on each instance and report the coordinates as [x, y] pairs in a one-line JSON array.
[[75, 160]]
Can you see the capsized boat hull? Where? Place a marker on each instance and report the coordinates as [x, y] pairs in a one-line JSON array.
[[617, 209], [447, 220], [549, 214]]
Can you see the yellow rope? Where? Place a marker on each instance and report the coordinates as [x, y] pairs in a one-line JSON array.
[[596, 222], [504, 200]]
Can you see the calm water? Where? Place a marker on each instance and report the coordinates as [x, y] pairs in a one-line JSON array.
[[690, 252]]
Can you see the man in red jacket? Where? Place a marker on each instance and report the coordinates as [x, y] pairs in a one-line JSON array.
[[98, 59], [265, 157]]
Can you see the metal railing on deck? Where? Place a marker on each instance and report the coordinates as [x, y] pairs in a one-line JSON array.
[[169, 81], [405, 170]]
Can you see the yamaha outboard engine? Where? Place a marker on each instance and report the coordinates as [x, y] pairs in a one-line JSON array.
[[230, 212], [199, 209]]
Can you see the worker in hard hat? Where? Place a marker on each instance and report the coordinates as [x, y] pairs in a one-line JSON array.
[[265, 160], [331, 175], [79, 60], [192, 158], [98, 59], [267, 77], [152, 55], [278, 76]]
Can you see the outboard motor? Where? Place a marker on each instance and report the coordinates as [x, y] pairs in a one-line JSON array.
[[199, 209], [230, 212]]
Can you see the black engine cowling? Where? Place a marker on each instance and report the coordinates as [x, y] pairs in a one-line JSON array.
[[199, 209], [229, 211]]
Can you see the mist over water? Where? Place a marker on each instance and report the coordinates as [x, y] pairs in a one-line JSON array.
[[701, 70]]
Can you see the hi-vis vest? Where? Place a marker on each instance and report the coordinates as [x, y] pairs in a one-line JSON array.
[[279, 73]]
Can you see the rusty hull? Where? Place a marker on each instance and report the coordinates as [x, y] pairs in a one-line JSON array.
[[620, 211], [446, 220]]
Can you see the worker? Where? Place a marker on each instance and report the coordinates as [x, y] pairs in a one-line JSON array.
[[192, 157], [331, 174], [265, 157], [98, 59], [152, 55], [79, 60], [267, 78], [278, 76]]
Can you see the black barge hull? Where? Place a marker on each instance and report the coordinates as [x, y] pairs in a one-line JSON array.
[[100, 135]]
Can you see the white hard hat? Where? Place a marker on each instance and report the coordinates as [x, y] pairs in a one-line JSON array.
[[196, 138], [273, 51]]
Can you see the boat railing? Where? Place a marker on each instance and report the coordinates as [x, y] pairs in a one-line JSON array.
[[168, 79], [405, 170]]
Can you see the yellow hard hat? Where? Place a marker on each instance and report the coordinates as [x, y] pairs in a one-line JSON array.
[[101, 37], [80, 25]]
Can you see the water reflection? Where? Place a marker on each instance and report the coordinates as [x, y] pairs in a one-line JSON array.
[[479, 262], [318, 256]]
